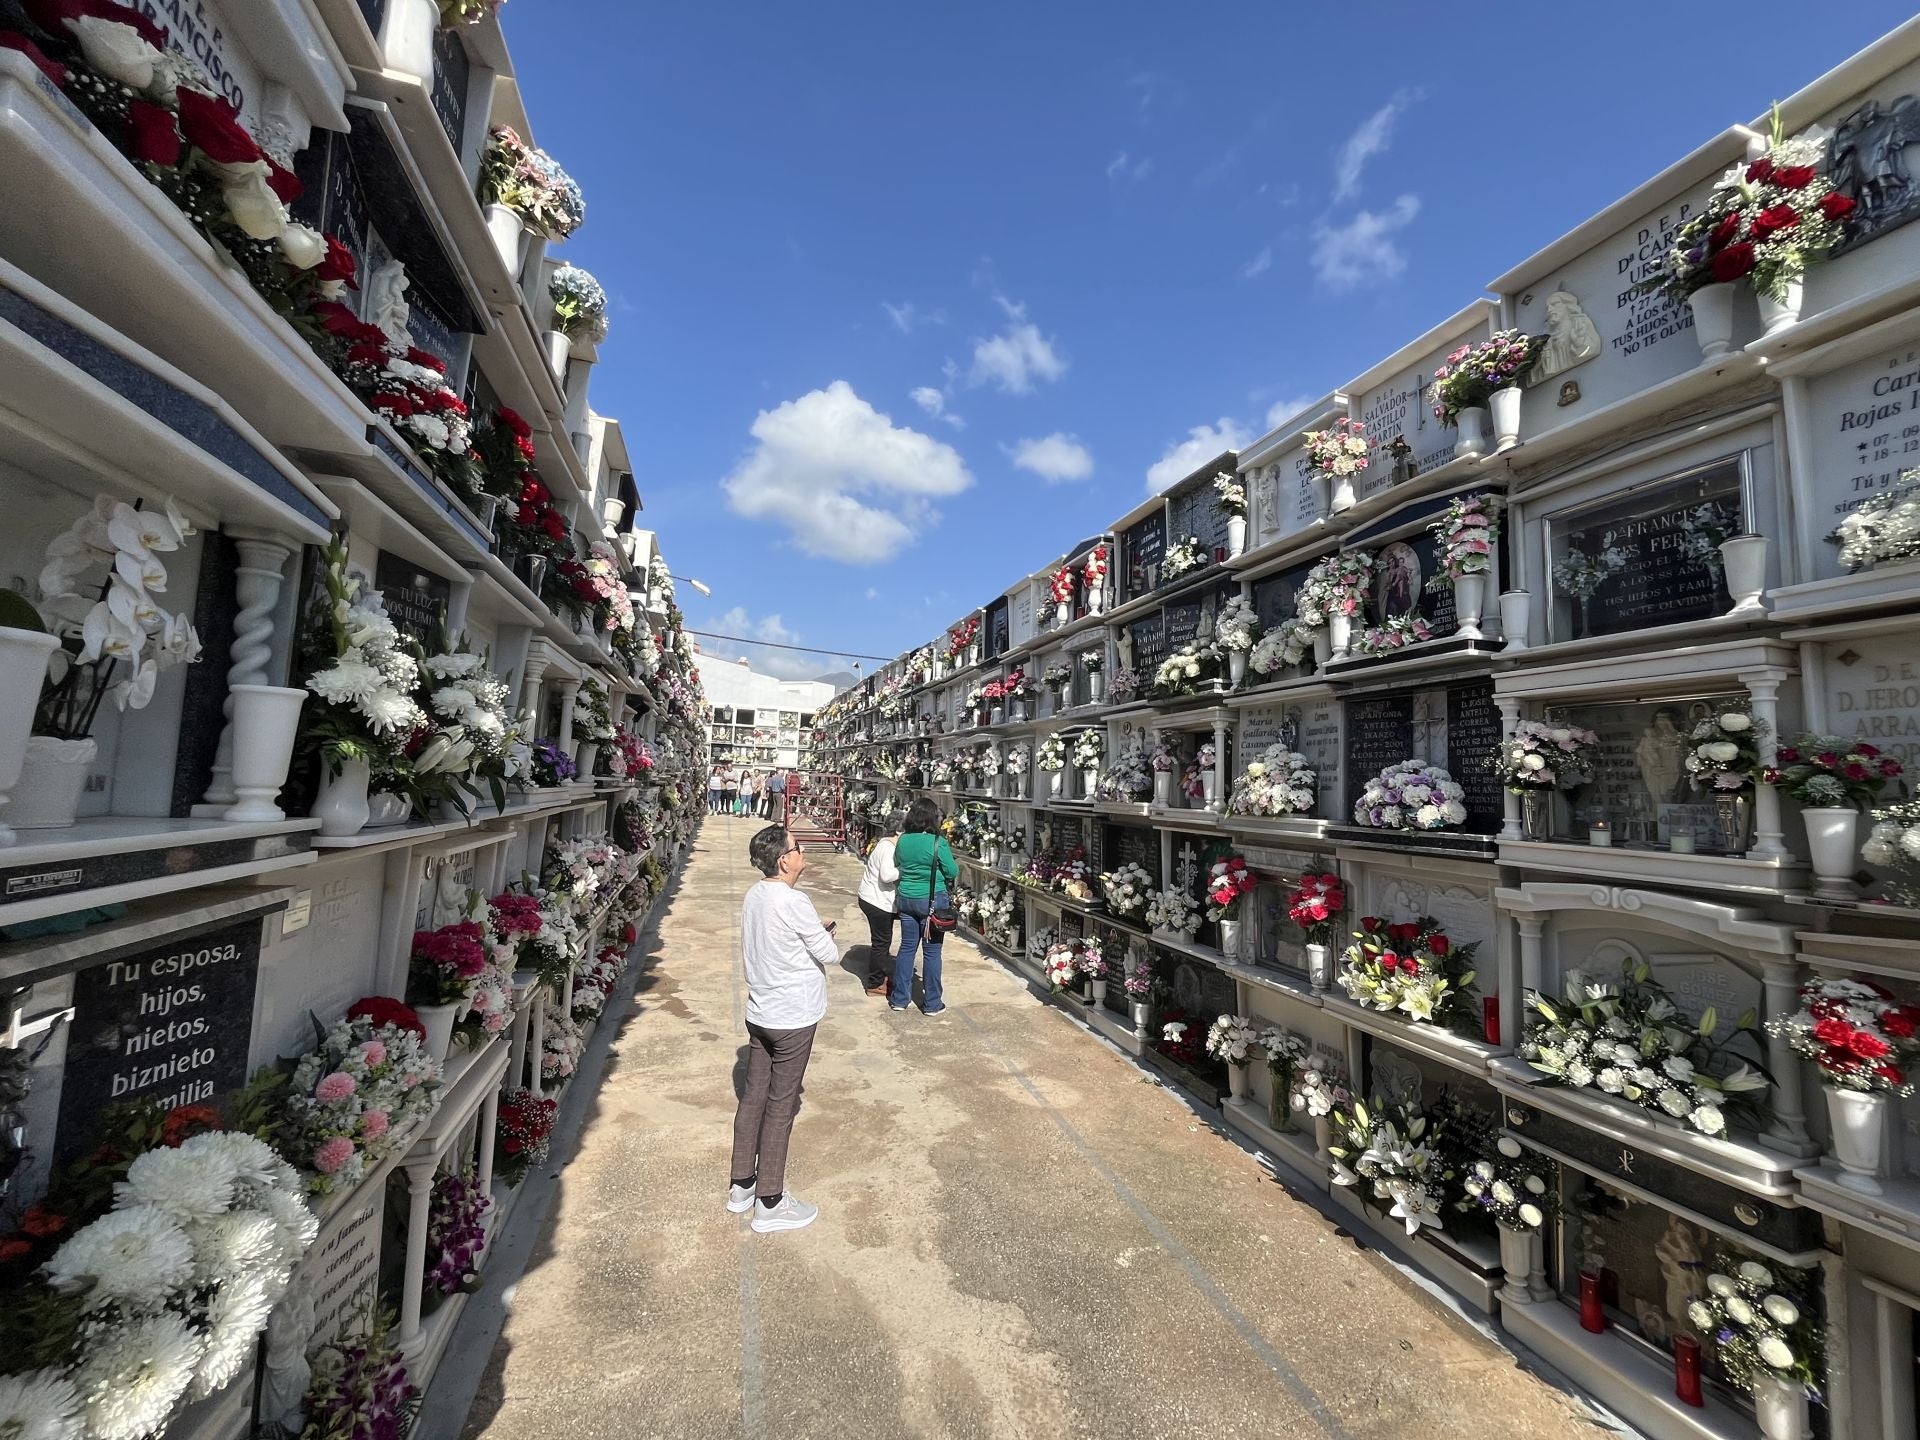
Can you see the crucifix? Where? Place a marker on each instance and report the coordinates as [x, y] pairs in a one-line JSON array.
[[1188, 870], [1429, 718]]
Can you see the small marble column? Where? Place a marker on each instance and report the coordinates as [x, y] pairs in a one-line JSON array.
[[537, 1042], [1510, 827], [419, 1197], [1768, 837], [483, 1141], [1787, 1129], [530, 678], [1531, 928], [517, 1053], [1222, 769], [569, 692], [256, 588]]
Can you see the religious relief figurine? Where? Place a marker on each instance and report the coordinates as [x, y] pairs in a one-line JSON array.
[[1682, 1267], [1661, 756], [1399, 584], [449, 897], [1572, 338], [1266, 489], [285, 1375], [1869, 164], [1124, 645], [387, 302]]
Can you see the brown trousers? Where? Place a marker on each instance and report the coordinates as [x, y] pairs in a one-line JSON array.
[[776, 1063]]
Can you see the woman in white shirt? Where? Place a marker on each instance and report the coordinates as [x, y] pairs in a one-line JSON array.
[[877, 904]]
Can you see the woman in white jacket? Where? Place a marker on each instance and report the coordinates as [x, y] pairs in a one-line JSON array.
[[877, 904]]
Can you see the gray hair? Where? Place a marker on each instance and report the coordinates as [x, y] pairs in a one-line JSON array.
[[766, 849]]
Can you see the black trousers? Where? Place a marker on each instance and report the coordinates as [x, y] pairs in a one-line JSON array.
[[879, 942]]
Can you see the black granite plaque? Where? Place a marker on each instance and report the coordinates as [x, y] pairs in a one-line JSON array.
[[331, 198], [373, 11], [1195, 513], [1072, 925], [1149, 634], [1182, 623], [451, 71], [63, 877], [1671, 570], [171, 1024], [416, 601], [1379, 734], [1473, 734], [1069, 834], [201, 711], [1145, 546], [998, 627], [1274, 597], [1202, 991], [1132, 845]]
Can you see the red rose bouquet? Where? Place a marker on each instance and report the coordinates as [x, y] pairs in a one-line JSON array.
[[1857, 1033], [1316, 905], [1228, 879], [524, 1129], [1060, 588]]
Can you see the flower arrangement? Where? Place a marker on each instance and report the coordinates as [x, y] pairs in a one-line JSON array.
[[1544, 756], [1395, 633], [1723, 753], [986, 762], [1184, 557], [1164, 756], [1019, 757], [1341, 451], [111, 554], [1831, 771], [1128, 779], [1410, 969], [1472, 373], [1229, 495], [560, 1053], [1466, 532], [1765, 221], [1894, 841], [360, 1389], [1094, 962], [1508, 1188], [961, 636], [1123, 686], [1316, 904], [363, 707], [1127, 889], [1096, 569], [1060, 588], [1337, 585], [1228, 878], [1412, 795], [1760, 1328], [1056, 676], [1886, 527], [1173, 911], [1237, 627], [1288, 643], [1073, 877], [1855, 1032], [1703, 530], [1181, 672], [1232, 1039], [523, 1132], [1093, 661], [1018, 686], [1193, 779], [1062, 965], [579, 304], [1180, 1040], [552, 765], [1632, 1041], [1580, 573], [1316, 1090], [473, 728], [357, 1094], [456, 1234], [531, 184], [1089, 748], [407, 387], [445, 964], [1395, 1151], [1052, 754], [1138, 982]]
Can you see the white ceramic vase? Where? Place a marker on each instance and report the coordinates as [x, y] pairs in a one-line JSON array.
[[1745, 560], [1858, 1119], [1319, 966], [386, 808], [1505, 407], [509, 237], [1209, 786], [1089, 783], [266, 719], [341, 806], [1097, 600], [1712, 307], [1099, 988], [1471, 423], [1339, 634], [1320, 491], [1516, 1258], [1062, 613], [585, 756], [1237, 668], [1780, 1407], [1322, 647], [23, 667], [406, 38], [1237, 1081], [1342, 497], [1516, 610], [1056, 783], [1777, 315], [1236, 534], [1229, 938], [1833, 845], [1142, 1017], [1163, 788], [1096, 687], [47, 794], [439, 1021], [559, 352], [1469, 603]]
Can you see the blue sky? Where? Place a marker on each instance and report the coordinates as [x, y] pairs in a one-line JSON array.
[[906, 301]]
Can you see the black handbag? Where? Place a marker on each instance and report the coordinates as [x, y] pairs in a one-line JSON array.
[[941, 919]]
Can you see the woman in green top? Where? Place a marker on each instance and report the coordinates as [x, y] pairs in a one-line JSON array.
[[927, 876]]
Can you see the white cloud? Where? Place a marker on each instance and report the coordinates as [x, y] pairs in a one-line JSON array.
[[934, 402], [1286, 409], [1259, 265], [872, 593], [784, 664], [1372, 138], [1054, 458], [1363, 249], [907, 316], [846, 482], [1124, 169], [1203, 442], [1014, 359]]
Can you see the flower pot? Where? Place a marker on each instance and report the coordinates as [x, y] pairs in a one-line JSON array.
[[1163, 788], [1536, 814], [1471, 424], [1237, 1081], [384, 808], [1089, 783], [1099, 989], [1322, 647], [1142, 1017], [1062, 613], [1209, 786], [1515, 609], [1236, 535], [266, 718], [1320, 492], [1096, 687], [1745, 561], [47, 794], [1712, 307], [1780, 1406], [532, 570], [1237, 668], [1732, 823], [1319, 966], [1229, 939], [1833, 847], [1056, 784], [1097, 601], [1516, 1258], [584, 755], [23, 666], [1340, 634], [1469, 603], [559, 351], [1858, 1119], [1505, 407], [341, 807], [1777, 315], [439, 1021], [1343, 497], [406, 38], [509, 237]]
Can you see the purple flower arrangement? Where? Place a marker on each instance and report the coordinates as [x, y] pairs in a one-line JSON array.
[[456, 1234], [551, 764], [360, 1391]]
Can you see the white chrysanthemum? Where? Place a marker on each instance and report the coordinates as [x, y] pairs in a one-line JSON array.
[[1503, 1193], [1776, 1352], [253, 1162], [40, 1405], [345, 681], [1722, 1286], [246, 1242], [1579, 1074], [1674, 1103], [235, 1318], [1532, 1216], [297, 1222], [1780, 1309], [138, 1255], [186, 1185], [1610, 1080], [1754, 1273], [389, 710], [134, 1375]]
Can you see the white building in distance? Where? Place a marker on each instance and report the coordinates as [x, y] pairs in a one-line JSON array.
[[758, 719]]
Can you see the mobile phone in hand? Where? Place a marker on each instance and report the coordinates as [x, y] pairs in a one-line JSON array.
[[830, 924]]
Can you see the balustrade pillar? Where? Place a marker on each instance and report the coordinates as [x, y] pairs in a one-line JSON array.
[[1531, 928], [1787, 1130], [1769, 840], [1510, 827], [419, 1200], [256, 588]]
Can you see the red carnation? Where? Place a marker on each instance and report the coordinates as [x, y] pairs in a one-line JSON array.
[[366, 352], [1760, 170], [339, 264], [554, 524], [511, 419], [1793, 177], [1830, 1030], [1788, 754], [1870, 751], [1889, 768], [12, 1249], [1724, 231], [1898, 1022], [1733, 262], [183, 1122], [1892, 1074], [426, 358], [1869, 1046], [154, 136], [213, 128], [1854, 770], [1836, 207], [41, 1223], [1440, 946], [1774, 219], [385, 1010], [13, 40], [1828, 758], [399, 404]]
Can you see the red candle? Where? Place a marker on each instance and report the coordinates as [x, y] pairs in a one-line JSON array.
[[1686, 1370], [1490, 1017], [1593, 1315]]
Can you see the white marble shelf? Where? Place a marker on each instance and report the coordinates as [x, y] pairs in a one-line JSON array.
[[1460, 1052], [471, 1075], [1178, 816], [1294, 1149], [1893, 1213], [1294, 829], [1296, 988], [1468, 1266], [145, 922], [1650, 866]]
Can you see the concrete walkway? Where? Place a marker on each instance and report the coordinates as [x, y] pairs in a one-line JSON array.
[[1019, 1235]]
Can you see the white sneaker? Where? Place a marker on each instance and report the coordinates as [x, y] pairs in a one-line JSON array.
[[792, 1213], [739, 1199]]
